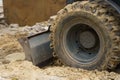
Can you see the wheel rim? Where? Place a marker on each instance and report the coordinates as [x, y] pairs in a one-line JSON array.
[[82, 42]]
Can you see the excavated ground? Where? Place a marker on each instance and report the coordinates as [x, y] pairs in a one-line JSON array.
[[14, 67]]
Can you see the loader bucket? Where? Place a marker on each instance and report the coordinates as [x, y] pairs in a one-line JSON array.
[[37, 48]]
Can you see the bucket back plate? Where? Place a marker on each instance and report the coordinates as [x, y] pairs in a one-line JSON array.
[[37, 48]]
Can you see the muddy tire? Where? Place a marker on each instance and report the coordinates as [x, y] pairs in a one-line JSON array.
[[86, 35]]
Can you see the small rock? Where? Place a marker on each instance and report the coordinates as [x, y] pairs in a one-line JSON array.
[[53, 17], [15, 57], [13, 25]]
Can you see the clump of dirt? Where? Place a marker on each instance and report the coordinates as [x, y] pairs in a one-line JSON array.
[[9, 44]]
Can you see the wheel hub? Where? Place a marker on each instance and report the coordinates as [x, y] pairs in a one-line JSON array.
[[82, 42], [87, 39]]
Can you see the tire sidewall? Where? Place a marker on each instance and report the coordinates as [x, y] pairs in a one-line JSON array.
[[65, 21]]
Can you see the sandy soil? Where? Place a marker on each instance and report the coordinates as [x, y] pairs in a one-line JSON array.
[[24, 70]]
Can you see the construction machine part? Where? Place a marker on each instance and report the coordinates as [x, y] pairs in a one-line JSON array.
[[37, 48], [70, 1], [86, 35], [115, 4], [28, 12]]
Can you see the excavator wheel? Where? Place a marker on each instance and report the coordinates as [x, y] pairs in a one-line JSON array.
[[86, 35]]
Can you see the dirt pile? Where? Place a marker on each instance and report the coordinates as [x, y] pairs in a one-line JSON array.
[[9, 37]]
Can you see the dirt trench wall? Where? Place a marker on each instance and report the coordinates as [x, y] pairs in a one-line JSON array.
[[28, 12]]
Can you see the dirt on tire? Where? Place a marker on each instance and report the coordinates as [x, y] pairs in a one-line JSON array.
[[107, 15]]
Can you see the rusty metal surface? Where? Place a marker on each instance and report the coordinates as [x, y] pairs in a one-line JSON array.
[[37, 48], [28, 12]]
